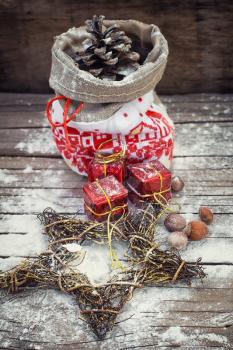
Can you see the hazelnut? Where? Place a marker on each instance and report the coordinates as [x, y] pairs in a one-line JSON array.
[[178, 240], [175, 222], [198, 230], [177, 184], [206, 215]]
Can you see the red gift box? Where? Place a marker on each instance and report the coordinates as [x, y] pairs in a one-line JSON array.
[[105, 196], [149, 181], [106, 165]]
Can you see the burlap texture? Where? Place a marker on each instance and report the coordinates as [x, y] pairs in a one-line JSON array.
[[68, 80]]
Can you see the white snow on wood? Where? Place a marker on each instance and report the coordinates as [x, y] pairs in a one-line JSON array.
[[31, 243], [52, 316], [73, 247], [95, 265], [220, 339], [94, 260], [173, 335], [211, 250], [6, 177], [28, 169], [9, 263], [36, 201], [38, 141]]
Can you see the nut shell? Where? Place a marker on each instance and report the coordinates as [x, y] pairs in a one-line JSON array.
[[178, 240], [198, 230], [177, 184], [206, 215], [175, 222]]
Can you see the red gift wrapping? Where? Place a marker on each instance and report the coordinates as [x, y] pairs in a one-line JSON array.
[[149, 181], [103, 197], [106, 165]]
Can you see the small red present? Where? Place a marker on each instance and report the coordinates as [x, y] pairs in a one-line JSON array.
[[105, 165], [103, 197], [149, 181]]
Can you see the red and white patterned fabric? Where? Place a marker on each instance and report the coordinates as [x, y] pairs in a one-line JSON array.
[[141, 126]]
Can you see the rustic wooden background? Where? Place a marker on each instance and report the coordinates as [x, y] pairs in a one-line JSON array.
[[199, 33], [33, 177]]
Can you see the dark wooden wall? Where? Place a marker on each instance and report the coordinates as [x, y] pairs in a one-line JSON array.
[[199, 33]]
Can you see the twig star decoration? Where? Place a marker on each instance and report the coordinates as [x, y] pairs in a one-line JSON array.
[[100, 304]]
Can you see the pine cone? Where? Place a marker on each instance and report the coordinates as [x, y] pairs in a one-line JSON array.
[[107, 54]]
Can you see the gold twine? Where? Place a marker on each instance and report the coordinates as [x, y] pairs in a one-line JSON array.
[[115, 262], [106, 159]]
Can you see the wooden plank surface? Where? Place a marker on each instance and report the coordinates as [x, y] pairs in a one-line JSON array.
[[199, 34], [33, 176]]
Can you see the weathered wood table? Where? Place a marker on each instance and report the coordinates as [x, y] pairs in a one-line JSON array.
[[33, 176]]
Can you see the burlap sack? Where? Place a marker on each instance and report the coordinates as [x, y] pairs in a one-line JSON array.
[[100, 96]]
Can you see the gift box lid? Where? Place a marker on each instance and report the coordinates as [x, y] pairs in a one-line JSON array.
[[95, 191], [146, 172]]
